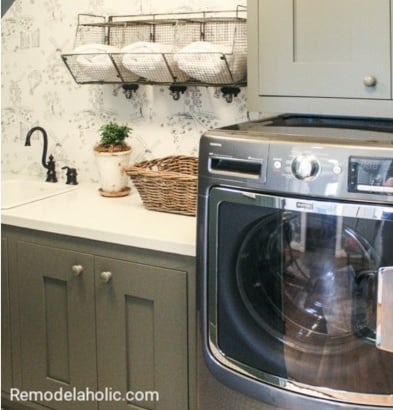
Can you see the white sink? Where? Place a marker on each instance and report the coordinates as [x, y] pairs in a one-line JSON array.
[[21, 191]]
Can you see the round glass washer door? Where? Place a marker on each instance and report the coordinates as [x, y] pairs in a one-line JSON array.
[[313, 274]]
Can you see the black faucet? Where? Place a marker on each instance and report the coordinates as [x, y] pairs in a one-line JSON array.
[[50, 165]]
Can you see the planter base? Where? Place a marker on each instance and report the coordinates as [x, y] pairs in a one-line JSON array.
[[124, 192]]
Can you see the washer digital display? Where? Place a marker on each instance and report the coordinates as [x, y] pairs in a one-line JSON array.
[[371, 175]]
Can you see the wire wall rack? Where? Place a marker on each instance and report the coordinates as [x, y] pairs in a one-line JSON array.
[[177, 49]]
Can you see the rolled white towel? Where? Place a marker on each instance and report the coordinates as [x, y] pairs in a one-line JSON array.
[[146, 60], [95, 62], [204, 61]]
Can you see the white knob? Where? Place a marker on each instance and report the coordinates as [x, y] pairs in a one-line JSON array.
[[370, 81], [337, 169], [105, 276], [77, 269]]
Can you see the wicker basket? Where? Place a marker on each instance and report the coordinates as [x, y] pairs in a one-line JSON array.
[[168, 184]]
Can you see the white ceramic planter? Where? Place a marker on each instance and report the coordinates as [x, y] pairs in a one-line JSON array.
[[113, 179]]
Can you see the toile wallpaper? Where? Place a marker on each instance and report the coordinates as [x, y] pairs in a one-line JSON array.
[[37, 89]]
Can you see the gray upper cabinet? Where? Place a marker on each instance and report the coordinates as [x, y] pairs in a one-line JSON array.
[[319, 48], [320, 56]]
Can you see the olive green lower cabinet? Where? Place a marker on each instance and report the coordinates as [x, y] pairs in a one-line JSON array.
[[6, 362], [142, 333], [93, 318], [56, 316]]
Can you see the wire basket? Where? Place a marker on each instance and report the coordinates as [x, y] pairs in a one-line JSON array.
[[167, 184], [192, 48]]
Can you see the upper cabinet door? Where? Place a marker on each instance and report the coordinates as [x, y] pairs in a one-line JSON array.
[[319, 48]]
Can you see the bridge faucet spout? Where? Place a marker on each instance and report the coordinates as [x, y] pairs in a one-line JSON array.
[[50, 166]]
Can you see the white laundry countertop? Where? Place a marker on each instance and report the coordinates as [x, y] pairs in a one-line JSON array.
[[84, 213]]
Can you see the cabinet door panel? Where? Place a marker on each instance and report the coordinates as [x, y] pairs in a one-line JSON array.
[[319, 48], [56, 322], [139, 344], [142, 334], [6, 363]]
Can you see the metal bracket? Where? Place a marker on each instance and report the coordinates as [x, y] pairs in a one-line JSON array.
[[229, 93], [128, 89], [175, 90]]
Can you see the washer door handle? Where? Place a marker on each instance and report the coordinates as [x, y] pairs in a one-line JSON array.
[[384, 339]]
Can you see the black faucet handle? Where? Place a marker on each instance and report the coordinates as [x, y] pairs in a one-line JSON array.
[[51, 167], [71, 176]]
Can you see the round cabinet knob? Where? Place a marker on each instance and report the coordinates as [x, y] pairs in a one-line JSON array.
[[305, 167], [105, 276], [370, 81], [77, 270]]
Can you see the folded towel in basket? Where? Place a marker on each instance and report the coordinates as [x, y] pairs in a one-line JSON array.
[[95, 62], [146, 60], [209, 62]]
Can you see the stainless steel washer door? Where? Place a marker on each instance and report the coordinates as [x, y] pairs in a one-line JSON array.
[[292, 287]]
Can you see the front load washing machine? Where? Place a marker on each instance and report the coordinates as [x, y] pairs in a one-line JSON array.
[[295, 256]]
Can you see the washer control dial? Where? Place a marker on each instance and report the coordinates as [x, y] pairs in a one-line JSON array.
[[305, 167]]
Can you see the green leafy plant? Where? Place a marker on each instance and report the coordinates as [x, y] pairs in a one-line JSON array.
[[113, 137]]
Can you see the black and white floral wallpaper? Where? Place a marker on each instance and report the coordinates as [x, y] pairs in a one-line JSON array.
[[37, 89]]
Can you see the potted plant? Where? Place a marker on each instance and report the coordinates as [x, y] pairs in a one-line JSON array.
[[112, 157]]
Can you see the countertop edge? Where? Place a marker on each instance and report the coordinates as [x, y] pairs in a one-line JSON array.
[[72, 214]]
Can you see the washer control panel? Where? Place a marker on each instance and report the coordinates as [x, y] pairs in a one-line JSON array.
[[326, 170], [344, 164]]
